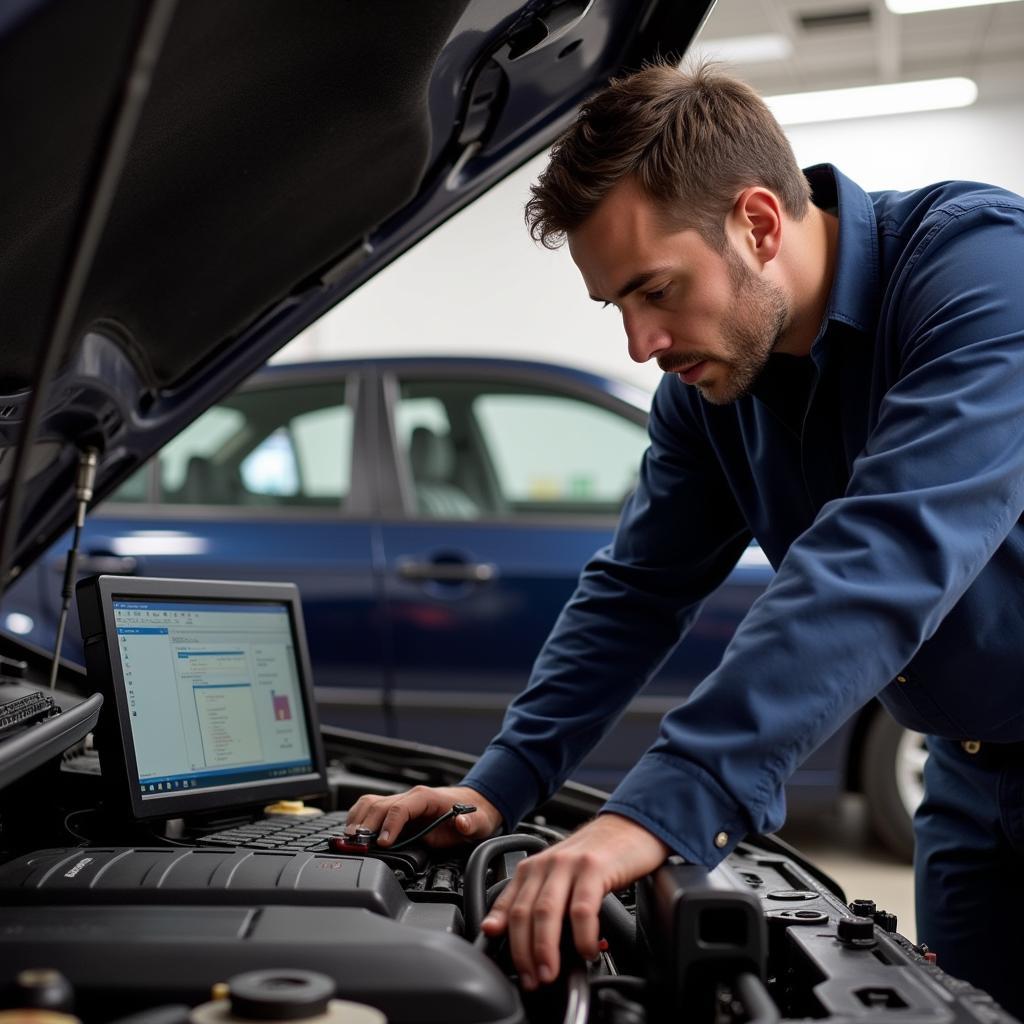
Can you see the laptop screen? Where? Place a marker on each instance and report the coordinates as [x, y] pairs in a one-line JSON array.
[[213, 693], [210, 683]]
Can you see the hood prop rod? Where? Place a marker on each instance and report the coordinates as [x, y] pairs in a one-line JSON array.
[[94, 215], [84, 483]]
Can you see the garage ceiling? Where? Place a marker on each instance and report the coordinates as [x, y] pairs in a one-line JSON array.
[[838, 43]]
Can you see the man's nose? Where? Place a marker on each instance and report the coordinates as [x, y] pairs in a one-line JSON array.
[[645, 337]]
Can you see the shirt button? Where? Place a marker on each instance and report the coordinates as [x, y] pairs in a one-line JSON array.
[[722, 840], [971, 746], [901, 679]]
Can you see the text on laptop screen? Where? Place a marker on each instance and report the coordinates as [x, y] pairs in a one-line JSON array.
[[214, 694]]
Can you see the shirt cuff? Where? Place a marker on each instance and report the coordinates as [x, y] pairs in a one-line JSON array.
[[507, 780], [683, 806]]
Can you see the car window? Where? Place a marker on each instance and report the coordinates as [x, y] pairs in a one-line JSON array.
[[493, 449], [135, 488], [558, 453], [264, 446], [322, 442], [420, 411], [199, 440], [272, 468]]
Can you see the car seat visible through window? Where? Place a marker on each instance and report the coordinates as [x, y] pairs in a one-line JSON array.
[[432, 462]]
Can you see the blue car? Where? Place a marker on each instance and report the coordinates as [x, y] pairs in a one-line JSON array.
[[435, 513]]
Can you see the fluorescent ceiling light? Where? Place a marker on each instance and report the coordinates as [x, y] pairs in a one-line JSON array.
[[916, 6], [747, 49], [873, 100]]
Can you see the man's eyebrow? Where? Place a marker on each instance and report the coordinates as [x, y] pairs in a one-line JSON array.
[[636, 281]]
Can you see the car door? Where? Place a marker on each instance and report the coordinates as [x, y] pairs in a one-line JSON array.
[[511, 479], [262, 486]]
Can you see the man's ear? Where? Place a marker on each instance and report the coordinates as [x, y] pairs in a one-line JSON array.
[[756, 223]]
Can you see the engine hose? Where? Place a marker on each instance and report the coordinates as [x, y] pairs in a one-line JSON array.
[[474, 883], [760, 1006], [617, 923], [493, 892], [619, 928]]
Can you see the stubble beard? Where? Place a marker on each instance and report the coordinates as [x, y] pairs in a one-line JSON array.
[[760, 315]]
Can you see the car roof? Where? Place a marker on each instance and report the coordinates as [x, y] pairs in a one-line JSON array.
[[186, 187], [488, 367]]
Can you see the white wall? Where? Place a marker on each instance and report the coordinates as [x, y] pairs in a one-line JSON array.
[[480, 285], [981, 143]]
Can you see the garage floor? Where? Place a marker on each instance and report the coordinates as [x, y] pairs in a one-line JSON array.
[[841, 844]]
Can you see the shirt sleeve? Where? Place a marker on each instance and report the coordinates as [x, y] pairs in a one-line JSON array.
[[679, 536], [936, 490]]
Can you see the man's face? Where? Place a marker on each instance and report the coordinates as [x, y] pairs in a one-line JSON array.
[[702, 314]]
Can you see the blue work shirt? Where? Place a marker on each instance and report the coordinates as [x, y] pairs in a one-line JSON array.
[[889, 501]]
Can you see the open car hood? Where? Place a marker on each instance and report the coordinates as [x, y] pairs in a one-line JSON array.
[[280, 155]]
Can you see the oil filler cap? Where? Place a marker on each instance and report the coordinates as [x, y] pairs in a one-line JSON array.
[[280, 995], [857, 932], [792, 895]]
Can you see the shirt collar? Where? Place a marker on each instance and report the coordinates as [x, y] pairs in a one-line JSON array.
[[854, 296]]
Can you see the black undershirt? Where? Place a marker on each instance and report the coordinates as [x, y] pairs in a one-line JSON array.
[[784, 387]]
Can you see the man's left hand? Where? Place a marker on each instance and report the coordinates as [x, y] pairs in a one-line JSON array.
[[574, 875]]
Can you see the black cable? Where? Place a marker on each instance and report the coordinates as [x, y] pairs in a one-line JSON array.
[[164, 839], [104, 181], [456, 810], [74, 814], [474, 881]]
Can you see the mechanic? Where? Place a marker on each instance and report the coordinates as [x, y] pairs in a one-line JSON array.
[[844, 382]]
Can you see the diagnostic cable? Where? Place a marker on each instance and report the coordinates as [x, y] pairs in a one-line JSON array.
[[362, 840]]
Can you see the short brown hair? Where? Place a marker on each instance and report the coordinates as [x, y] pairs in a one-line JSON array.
[[692, 139]]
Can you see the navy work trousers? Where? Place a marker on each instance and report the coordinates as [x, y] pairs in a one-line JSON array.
[[969, 865]]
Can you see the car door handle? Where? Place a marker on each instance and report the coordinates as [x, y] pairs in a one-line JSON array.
[[95, 562], [447, 572]]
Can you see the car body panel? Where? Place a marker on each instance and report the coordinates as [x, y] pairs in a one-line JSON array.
[[236, 207], [423, 659]]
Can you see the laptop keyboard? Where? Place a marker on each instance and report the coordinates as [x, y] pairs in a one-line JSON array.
[[281, 833]]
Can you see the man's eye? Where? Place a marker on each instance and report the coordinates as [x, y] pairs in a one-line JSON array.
[[656, 295]]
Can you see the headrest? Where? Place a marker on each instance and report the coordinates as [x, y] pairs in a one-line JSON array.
[[431, 456]]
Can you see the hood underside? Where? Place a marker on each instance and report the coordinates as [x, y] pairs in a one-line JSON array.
[[283, 153]]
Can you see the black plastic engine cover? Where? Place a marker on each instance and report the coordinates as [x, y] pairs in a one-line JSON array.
[[123, 958], [113, 874]]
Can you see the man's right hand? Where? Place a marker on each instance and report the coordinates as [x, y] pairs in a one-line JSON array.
[[388, 815]]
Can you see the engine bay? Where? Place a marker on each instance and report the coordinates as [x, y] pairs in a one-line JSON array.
[[150, 922]]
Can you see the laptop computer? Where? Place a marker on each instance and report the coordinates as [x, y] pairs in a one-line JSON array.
[[208, 695]]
